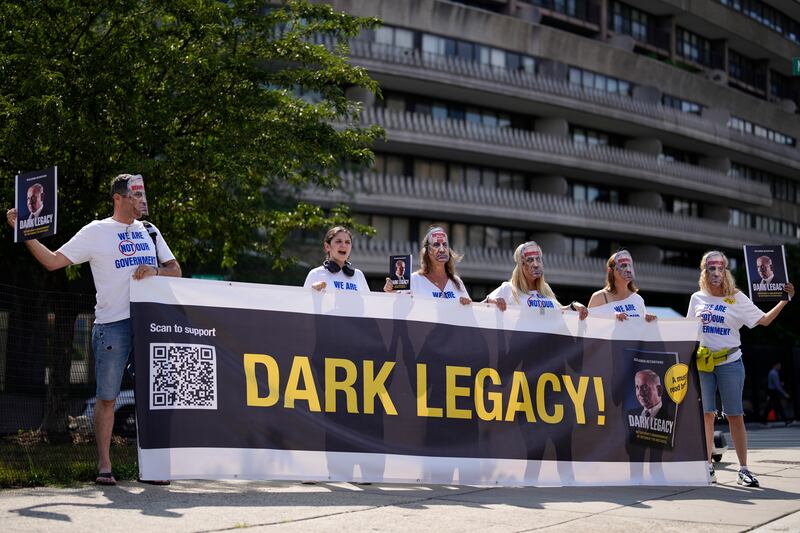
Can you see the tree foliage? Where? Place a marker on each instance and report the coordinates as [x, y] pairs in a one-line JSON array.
[[226, 108]]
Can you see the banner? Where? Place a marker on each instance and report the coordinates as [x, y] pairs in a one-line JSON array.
[[243, 381]]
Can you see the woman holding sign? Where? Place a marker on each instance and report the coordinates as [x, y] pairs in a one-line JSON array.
[[620, 297], [337, 271], [527, 285], [436, 277], [724, 309]]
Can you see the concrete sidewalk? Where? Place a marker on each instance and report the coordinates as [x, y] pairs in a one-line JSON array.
[[265, 506]]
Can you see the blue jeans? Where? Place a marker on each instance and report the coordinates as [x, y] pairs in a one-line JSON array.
[[112, 346], [729, 379]]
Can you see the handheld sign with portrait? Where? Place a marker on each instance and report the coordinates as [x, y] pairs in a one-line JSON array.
[[36, 203], [400, 271], [766, 272]]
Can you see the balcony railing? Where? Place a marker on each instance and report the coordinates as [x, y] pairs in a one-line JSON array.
[[538, 87], [525, 209], [549, 149], [495, 265]]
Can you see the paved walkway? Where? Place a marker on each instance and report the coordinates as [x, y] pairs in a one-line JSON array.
[[267, 506]]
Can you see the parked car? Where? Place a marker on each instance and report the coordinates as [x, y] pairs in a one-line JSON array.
[[124, 415]]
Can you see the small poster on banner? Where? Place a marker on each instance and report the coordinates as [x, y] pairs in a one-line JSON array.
[[136, 183], [656, 385], [36, 201], [766, 272], [400, 271]]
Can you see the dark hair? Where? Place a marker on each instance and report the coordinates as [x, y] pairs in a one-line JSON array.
[[119, 185], [331, 233]]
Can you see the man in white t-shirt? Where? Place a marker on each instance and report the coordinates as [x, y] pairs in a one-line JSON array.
[[118, 249]]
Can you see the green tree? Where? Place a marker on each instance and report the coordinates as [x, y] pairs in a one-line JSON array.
[[226, 108]]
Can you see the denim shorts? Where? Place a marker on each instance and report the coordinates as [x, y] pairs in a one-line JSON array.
[[729, 380], [112, 346]]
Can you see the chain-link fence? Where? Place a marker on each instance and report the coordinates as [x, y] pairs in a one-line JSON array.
[[47, 386]]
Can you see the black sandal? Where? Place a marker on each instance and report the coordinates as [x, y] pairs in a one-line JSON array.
[[105, 479]]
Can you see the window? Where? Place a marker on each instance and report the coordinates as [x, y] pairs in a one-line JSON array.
[[628, 20], [682, 206], [780, 87], [584, 192], [685, 106], [440, 109], [782, 188], [583, 247], [775, 226], [694, 48], [767, 16], [394, 37], [468, 51], [445, 171], [747, 127], [676, 155], [592, 137], [746, 70], [679, 258], [599, 82]]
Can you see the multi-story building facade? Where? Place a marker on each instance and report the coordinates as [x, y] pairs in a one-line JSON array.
[[663, 126]]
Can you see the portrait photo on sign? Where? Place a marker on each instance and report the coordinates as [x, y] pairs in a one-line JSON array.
[[766, 272], [36, 202], [653, 380]]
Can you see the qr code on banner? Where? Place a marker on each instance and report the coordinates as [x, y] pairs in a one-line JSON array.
[[183, 376]]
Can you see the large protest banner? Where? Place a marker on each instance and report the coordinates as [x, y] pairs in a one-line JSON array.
[[243, 381]]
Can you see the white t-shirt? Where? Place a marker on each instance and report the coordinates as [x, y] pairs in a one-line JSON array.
[[533, 301], [421, 286], [339, 281], [633, 306], [114, 250], [723, 317]]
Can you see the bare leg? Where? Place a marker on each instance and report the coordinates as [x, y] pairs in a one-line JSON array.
[[103, 425], [739, 435], [708, 418]]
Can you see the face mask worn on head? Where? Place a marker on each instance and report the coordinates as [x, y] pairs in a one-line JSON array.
[[333, 267]]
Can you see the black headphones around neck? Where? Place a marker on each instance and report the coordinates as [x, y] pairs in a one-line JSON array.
[[333, 267]]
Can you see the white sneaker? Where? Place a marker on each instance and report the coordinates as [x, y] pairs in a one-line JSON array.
[[712, 475], [747, 478]]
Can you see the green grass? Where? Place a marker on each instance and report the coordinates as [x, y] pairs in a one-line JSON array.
[[40, 464]]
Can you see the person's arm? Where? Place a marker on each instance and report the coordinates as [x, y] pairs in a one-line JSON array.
[[773, 313], [464, 298], [582, 310], [597, 299], [500, 302], [46, 257], [495, 298], [171, 268]]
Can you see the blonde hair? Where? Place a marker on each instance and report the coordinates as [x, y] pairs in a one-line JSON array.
[[519, 285], [425, 265], [611, 285], [728, 283]]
